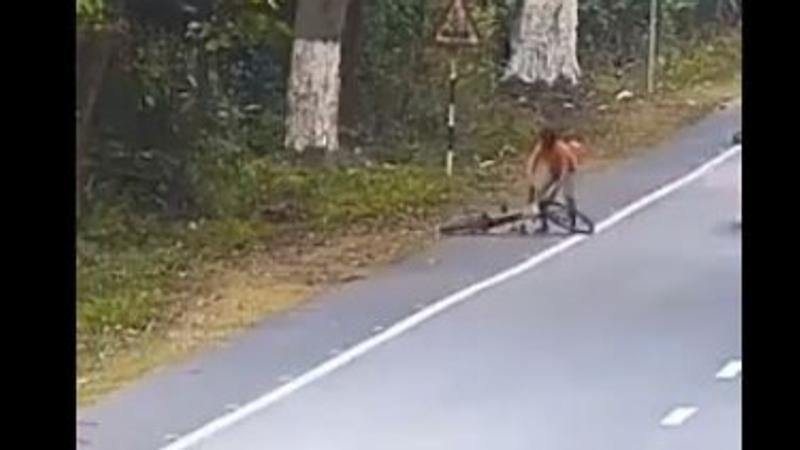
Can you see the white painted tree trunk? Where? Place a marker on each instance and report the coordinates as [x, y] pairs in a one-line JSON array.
[[313, 97], [544, 39]]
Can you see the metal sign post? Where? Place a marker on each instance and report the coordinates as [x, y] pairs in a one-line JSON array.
[[457, 29], [451, 116]]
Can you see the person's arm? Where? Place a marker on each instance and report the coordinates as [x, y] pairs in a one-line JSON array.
[[569, 158], [573, 162], [580, 150], [530, 164]]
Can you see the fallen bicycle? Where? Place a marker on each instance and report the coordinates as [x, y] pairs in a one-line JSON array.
[[556, 213]]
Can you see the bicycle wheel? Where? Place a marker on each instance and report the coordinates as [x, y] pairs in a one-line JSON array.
[[559, 214]]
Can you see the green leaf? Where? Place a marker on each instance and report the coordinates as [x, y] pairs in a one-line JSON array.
[[212, 45]]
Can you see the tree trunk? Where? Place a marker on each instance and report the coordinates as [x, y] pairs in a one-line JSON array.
[[351, 55], [544, 40], [313, 102], [98, 49], [315, 82], [728, 11]]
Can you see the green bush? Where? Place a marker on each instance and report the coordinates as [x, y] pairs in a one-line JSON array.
[[706, 61], [342, 196], [228, 181], [382, 195]]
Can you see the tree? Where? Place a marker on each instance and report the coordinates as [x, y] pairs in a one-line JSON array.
[[96, 39], [723, 11], [544, 38], [315, 80], [352, 39]]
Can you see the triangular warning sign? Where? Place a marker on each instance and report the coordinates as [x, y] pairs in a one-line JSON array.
[[457, 26]]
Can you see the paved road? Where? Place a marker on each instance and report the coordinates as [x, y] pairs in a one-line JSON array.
[[588, 351], [660, 287]]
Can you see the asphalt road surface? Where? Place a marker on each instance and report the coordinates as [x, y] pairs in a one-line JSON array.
[[627, 340]]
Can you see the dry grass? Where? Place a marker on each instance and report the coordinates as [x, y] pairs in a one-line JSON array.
[[643, 123]]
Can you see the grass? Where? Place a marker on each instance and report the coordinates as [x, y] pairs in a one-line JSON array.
[[131, 272], [335, 198], [125, 275], [151, 292], [704, 62]]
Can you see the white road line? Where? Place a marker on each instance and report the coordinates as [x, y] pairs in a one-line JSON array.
[[678, 416], [426, 313], [730, 370]]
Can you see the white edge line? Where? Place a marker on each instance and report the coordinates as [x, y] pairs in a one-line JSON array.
[[423, 315], [678, 416], [730, 371]]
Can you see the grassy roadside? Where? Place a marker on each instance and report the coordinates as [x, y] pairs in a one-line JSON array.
[[151, 293]]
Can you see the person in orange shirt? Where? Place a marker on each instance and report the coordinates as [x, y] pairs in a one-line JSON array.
[[550, 170]]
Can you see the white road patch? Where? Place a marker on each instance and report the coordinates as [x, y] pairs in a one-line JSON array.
[[437, 307], [678, 416], [730, 370]]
